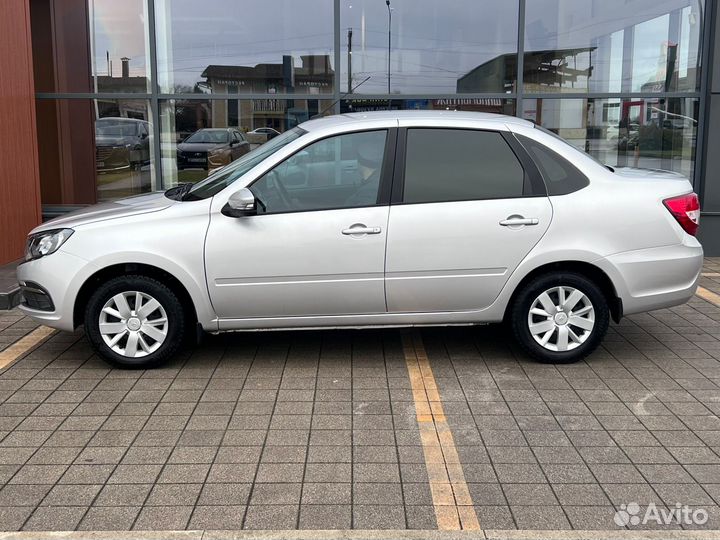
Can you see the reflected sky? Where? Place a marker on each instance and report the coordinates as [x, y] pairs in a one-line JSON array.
[[118, 28]]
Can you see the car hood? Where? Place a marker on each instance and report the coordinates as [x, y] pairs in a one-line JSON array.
[[109, 140], [131, 206], [648, 174], [199, 147]]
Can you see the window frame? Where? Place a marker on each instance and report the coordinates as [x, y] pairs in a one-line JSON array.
[[386, 171], [533, 183]]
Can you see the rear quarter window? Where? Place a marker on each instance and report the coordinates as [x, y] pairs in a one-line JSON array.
[[561, 177]]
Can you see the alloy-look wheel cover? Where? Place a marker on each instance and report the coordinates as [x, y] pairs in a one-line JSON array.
[[133, 324], [561, 319]]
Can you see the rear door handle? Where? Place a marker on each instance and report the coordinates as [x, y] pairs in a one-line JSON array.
[[515, 221], [359, 228]]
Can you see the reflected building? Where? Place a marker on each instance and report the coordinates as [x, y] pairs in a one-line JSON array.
[[314, 76]]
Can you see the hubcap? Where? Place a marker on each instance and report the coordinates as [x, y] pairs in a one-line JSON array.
[[133, 324], [561, 319]]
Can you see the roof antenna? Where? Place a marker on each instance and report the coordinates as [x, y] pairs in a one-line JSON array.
[[366, 79]]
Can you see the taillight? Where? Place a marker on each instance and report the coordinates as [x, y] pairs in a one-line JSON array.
[[686, 210]]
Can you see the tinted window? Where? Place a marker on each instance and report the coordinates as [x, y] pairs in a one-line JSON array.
[[459, 165], [337, 172], [560, 176]]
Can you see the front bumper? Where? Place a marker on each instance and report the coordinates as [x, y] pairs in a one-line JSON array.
[[60, 275], [655, 278]]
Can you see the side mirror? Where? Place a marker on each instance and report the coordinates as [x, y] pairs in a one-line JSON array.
[[241, 203]]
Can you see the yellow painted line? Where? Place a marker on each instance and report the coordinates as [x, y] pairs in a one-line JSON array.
[[453, 505], [710, 296], [710, 274], [22, 346]]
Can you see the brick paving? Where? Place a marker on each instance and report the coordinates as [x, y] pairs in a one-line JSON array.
[[318, 430]]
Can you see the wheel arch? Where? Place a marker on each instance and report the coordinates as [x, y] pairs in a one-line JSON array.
[[133, 269], [589, 270]]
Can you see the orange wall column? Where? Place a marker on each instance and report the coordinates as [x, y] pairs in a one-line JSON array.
[[19, 176]]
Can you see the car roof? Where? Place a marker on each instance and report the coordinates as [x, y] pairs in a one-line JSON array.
[[339, 120]]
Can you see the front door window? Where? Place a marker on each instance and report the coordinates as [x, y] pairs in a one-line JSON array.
[[337, 172]]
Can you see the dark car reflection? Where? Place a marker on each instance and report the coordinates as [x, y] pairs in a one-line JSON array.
[[211, 148], [121, 143]]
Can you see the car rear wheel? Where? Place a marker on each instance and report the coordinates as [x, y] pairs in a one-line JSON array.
[[134, 322], [560, 318]]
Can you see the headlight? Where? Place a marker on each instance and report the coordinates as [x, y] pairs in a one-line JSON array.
[[46, 242]]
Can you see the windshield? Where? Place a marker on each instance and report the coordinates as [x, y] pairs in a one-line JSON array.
[[121, 129], [227, 175], [208, 136]]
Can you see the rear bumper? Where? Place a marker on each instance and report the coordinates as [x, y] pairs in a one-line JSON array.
[[655, 278]]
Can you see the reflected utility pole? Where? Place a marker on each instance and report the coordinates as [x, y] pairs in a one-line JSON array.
[[349, 61], [387, 2]]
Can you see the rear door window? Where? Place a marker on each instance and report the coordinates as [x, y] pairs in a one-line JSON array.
[[459, 165]]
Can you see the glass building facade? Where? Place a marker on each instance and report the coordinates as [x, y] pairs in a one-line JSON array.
[[140, 95]]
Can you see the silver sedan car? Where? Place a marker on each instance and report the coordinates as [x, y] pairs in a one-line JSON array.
[[370, 220]]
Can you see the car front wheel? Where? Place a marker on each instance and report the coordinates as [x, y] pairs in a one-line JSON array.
[[560, 318], [134, 322]]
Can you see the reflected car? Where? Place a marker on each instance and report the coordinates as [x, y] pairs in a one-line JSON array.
[[211, 148], [268, 132], [121, 143], [385, 219]]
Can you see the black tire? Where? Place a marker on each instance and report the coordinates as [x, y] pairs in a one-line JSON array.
[[175, 314], [524, 300]]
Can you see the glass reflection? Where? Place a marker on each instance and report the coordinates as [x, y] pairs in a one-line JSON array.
[[612, 45], [119, 45], [485, 105], [200, 136], [436, 47], [649, 133], [244, 47], [123, 148], [94, 150]]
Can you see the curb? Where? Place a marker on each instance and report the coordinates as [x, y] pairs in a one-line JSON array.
[[620, 534], [10, 298]]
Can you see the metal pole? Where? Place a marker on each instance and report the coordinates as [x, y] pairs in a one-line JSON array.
[[387, 2], [349, 62]]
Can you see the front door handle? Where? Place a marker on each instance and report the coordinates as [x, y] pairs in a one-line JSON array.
[[359, 228], [516, 221]]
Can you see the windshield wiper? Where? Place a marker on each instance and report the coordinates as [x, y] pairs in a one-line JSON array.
[[178, 192]]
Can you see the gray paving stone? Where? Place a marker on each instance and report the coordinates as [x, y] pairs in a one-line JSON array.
[[106, 518], [226, 517], [183, 473], [123, 495], [163, 518], [134, 474], [325, 517], [69, 495], [174, 495], [271, 517], [377, 494], [495, 517], [55, 518], [529, 494], [13, 517], [23, 495], [378, 517], [540, 517]]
